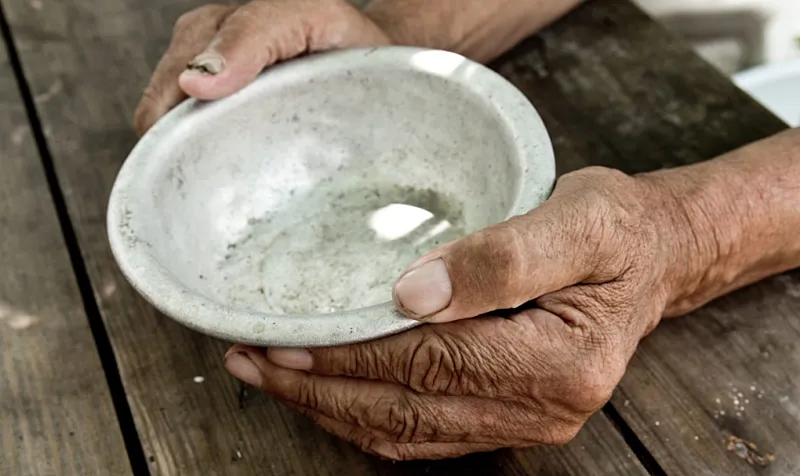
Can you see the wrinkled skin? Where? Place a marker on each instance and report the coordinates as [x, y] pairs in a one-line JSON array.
[[588, 273], [532, 377], [234, 42], [586, 260]]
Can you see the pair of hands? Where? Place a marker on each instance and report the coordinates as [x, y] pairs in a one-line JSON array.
[[593, 265]]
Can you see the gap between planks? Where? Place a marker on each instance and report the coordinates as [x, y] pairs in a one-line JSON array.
[[633, 441], [105, 352]]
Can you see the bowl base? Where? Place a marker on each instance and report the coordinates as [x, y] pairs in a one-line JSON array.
[[335, 249]]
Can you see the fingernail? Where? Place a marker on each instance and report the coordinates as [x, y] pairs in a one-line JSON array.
[[243, 368], [425, 290], [207, 62], [298, 359]]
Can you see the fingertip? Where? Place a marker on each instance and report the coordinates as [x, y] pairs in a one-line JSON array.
[[242, 366], [146, 117], [295, 359], [141, 122]]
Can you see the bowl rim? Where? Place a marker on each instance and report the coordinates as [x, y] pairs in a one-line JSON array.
[[168, 295]]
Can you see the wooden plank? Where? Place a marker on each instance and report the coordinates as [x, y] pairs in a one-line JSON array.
[[615, 90], [55, 407], [88, 61]]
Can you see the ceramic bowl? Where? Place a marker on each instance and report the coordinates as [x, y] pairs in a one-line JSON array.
[[283, 214]]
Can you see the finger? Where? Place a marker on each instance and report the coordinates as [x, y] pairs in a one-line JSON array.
[[482, 357], [471, 358], [369, 443], [191, 35], [500, 267], [260, 34], [387, 410]]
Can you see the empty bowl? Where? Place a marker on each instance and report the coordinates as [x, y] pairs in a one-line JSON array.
[[283, 214]]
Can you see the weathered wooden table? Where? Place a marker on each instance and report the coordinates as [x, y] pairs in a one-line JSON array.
[[94, 381]]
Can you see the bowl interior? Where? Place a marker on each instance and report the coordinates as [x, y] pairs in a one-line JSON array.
[[311, 190]]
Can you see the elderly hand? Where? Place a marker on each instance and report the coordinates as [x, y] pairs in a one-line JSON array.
[[587, 274], [594, 260], [218, 49]]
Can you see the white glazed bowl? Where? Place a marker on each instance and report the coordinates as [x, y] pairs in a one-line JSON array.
[[282, 214]]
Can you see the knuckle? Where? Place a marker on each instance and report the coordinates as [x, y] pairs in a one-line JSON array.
[[364, 360], [436, 365], [563, 434], [306, 394], [509, 246], [403, 422], [606, 208], [366, 443], [594, 389], [189, 19], [595, 177], [184, 21], [492, 263], [431, 366], [328, 23], [358, 360], [603, 189], [382, 449]]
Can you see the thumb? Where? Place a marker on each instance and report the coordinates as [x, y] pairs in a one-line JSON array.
[[259, 34], [500, 267]]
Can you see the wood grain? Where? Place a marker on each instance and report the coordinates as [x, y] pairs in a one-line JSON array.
[[56, 412], [615, 90], [87, 61]]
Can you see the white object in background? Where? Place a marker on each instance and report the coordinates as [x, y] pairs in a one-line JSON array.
[[780, 20], [776, 86]]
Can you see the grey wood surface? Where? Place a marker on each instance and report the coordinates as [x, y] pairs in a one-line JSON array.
[[56, 414], [615, 90], [87, 62]]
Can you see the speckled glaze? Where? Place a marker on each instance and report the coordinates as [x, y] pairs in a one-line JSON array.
[[281, 216]]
